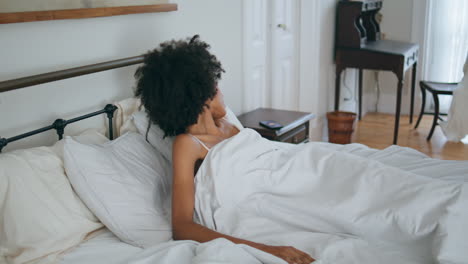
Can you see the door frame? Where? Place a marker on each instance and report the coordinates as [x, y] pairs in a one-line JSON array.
[[298, 60]]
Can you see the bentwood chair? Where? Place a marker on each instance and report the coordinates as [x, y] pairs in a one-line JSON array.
[[435, 89]]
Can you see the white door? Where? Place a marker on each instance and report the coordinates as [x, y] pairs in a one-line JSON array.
[[270, 54], [284, 54], [255, 54]]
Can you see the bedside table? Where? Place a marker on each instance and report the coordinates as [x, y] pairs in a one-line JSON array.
[[295, 124]]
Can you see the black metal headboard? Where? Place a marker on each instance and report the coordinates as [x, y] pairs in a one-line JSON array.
[[60, 124]]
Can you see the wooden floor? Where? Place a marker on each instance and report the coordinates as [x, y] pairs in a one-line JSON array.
[[376, 130]]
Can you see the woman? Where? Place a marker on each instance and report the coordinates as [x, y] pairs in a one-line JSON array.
[[178, 87]]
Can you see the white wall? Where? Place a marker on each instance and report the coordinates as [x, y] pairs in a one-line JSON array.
[[317, 66], [321, 73], [38, 47], [327, 64]]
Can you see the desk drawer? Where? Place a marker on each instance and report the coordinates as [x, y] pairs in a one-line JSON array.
[[412, 58], [295, 136]]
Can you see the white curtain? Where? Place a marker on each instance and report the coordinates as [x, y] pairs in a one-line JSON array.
[[447, 40], [456, 127], [446, 51]]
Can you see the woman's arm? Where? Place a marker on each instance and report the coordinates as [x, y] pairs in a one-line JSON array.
[[185, 153]]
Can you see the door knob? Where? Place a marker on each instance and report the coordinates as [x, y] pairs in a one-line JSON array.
[[283, 26]]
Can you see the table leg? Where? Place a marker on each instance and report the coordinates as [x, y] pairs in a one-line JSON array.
[[436, 115], [337, 87], [423, 105], [398, 109], [360, 94], [413, 85]]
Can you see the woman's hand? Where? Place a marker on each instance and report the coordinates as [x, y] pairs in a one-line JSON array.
[[289, 254]]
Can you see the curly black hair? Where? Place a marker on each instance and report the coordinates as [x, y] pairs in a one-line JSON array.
[[175, 81]]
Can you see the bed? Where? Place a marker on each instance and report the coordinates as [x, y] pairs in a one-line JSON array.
[[91, 199]]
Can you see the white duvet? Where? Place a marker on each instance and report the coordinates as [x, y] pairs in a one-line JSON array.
[[340, 204], [338, 207]]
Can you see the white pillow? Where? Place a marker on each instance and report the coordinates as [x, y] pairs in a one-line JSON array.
[[40, 215], [232, 118], [155, 134], [127, 184]]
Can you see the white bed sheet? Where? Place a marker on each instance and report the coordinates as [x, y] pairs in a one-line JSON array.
[[103, 248], [106, 248]]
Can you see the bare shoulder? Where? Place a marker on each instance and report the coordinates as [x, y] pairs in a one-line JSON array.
[[185, 153], [182, 140], [185, 147]]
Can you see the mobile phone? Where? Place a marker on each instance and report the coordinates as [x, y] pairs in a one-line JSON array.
[[270, 124]]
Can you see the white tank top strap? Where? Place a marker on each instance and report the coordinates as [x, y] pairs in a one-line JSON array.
[[199, 141]]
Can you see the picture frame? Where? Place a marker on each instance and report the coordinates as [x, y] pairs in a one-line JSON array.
[[17, 11]]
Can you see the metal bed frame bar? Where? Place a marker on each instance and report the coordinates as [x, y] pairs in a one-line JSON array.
[[67, 73], [60, 124]]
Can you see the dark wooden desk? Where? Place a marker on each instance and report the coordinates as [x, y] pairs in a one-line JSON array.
[[385, 55]]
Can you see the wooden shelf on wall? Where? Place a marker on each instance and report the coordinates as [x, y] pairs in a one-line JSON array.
[[19, 17]]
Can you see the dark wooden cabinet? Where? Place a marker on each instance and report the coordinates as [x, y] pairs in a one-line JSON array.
[[356, 23], [295, 124], [358, 45]]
